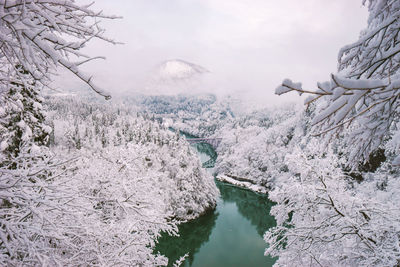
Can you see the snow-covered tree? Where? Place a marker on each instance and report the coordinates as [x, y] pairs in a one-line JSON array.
[[254, 146], [42, 35], [118, 197], [325, 218], [48, 218], [22, 118], [366, 91]]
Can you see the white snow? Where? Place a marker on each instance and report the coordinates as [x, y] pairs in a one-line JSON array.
[[247, 185], [287, 86], [281, 89], [3, 145]]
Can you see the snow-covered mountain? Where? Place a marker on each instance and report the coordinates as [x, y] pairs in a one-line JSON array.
[[177, 69], [176, 76]]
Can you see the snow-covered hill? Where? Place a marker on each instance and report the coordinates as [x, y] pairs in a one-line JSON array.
[[177, 69], [176, 76]]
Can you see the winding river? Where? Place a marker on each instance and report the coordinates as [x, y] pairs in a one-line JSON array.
[[230, 235]]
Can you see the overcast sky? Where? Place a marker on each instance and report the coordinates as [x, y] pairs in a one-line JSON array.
[[249, 46]]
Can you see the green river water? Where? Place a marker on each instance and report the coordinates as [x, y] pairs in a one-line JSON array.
[[230, 235]]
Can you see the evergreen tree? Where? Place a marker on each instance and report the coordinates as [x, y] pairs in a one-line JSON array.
[[22, 118]]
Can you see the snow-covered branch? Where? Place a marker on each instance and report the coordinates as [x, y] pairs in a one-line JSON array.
[[324, 221], [365, 92], [40, 35]]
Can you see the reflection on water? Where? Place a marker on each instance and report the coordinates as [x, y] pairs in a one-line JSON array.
[[255, 207], [229, 236], [192, 235]]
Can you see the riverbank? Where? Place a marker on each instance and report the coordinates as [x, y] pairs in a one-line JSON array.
[[241, 182]]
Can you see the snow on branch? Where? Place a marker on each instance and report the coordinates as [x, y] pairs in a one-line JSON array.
[[329, 218], [376, 53], [373, 102], [365, 92], [40, 35]]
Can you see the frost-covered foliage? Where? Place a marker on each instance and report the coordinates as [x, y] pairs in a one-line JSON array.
[[49, 218], [120, 181], [254, 146], [177, 105], [22, 118], [199, 115], [42, 35], [366, 90], [207, 122], [165, 157], [324, 217]]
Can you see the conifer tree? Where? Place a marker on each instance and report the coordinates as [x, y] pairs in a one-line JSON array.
[[22, 117]]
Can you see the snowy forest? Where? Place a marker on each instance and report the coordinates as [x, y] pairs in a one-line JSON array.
[[93, 178]]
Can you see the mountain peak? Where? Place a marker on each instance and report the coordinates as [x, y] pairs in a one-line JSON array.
[[178, 69]]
